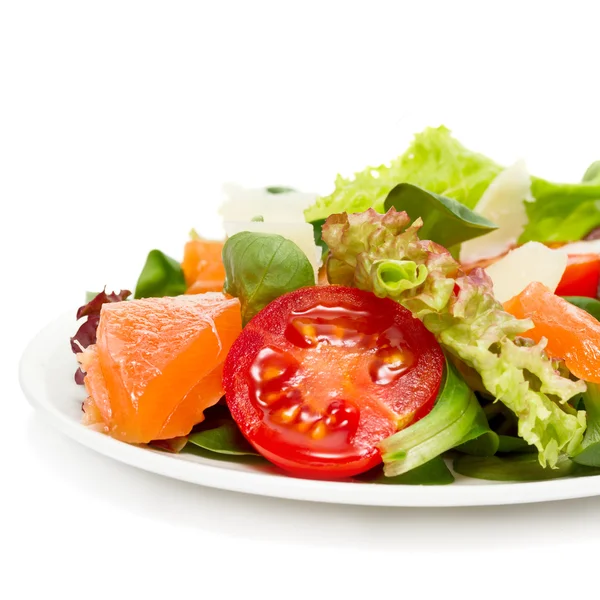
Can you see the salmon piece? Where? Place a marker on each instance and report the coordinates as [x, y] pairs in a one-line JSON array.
[[157, 364], [203, 266], [573, 334]]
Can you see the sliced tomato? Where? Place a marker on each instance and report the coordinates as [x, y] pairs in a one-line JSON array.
[[321, 375], [581, 276]]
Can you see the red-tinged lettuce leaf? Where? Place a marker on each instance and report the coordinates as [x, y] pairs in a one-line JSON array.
[[95, 304], [86, 334]]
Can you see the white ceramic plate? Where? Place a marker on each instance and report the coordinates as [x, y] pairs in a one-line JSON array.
[[46, 375]]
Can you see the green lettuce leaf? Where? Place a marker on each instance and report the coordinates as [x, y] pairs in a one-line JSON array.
[[562, 212], [466, 319], [435, 161]]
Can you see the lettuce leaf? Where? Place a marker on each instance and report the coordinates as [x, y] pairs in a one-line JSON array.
[[562, 212], [435, 161], [86, 334], [465, 317]]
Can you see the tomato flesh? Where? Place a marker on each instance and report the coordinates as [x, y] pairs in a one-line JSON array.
[[320, 376], [581, 277]]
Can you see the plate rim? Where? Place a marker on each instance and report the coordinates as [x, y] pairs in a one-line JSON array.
[[39, 350]]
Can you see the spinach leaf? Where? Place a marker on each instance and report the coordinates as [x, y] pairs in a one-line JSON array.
[[260, 267], [223, 438], [590, 305], [509, 444], [481, 440], [455, 414], [161, 276], [589, 453], [518, 467], [445, 220], [317, 227], [434, 472]]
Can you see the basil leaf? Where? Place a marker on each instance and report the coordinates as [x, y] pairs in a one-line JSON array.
[[161, 276], [434, 472], [445, 220], [449, 423], [518, 467], [590, 305], [225, 438], [260, 267]]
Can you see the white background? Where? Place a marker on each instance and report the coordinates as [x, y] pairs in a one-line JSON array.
[[118, 123]]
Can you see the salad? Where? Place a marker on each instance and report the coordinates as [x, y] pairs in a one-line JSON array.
[[441, 310]]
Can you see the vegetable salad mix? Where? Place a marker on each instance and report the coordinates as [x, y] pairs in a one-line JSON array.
[[440, 311]]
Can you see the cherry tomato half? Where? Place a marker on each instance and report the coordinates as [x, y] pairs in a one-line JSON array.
[[321, 375], [581, 277]]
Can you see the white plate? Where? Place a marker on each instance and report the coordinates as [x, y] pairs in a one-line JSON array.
[[46, 375]]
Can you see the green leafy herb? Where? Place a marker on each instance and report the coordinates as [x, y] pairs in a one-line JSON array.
[[433, 472], [260, 267], [258, 219], [449, 423], [161, 276], [518, 467], [590, 305], [445, 221], [224, 438]]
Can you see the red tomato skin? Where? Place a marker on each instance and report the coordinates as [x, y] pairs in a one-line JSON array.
[[581, 277], [269, 327]]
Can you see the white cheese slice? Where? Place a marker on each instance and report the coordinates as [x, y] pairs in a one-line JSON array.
[[503, 204], [520, 267], [582, 247], [300, 233], [242, 204]]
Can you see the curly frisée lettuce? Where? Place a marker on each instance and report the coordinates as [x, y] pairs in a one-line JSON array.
[[372, 251]]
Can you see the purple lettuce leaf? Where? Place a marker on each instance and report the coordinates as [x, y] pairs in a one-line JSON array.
[[86, 334]]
